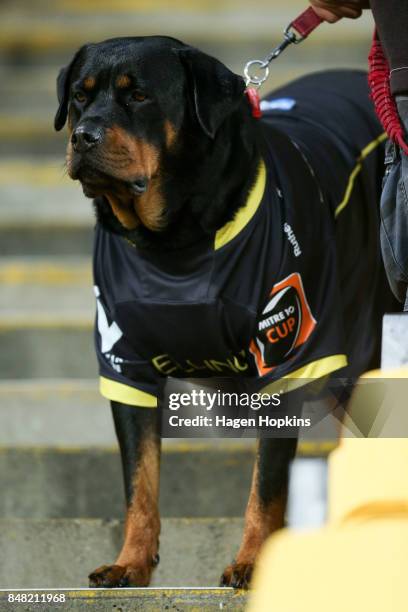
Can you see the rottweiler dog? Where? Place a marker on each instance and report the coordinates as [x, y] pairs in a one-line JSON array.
[[225, 245]]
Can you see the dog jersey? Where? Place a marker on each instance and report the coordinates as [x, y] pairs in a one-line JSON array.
[[270, 295]]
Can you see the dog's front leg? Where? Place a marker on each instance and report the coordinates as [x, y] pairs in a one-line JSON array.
[[137, 430], [266, 506]]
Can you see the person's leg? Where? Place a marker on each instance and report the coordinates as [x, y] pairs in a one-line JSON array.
[[394, 218], [402, 105], [391, 19]]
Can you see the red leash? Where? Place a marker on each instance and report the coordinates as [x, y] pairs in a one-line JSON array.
[[384, 102], [378, 76], [306, 23], [295, 33]]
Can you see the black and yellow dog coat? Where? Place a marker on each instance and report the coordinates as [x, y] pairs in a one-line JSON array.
[[288, 288]]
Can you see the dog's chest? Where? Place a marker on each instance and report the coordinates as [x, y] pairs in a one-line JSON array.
[[190, 313], [244, 308]]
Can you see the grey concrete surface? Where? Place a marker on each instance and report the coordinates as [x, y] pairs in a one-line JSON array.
[[71, 414], [40, 239], [61, 552], [87, 483], [47, 308], [28, 301], [41, 202], [231, 21], [307, 498], [32, 285], [46, 347], [135, 600], [64, 412], [42, 212], [395, 341]]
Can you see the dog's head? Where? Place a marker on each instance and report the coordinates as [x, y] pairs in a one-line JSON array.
[[128, 101]]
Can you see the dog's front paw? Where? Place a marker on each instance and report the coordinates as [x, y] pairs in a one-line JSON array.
[[116, 576], [237, 575]]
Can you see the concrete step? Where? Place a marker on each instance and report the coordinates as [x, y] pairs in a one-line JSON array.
[[41, 32], [30, 136], [87, 483], [73, 415], [134, 600], [60, 553], [38, 189], [54, 412], [37, 284], [43, 212], [39, 239], [120, 6], [46, 318], [47, 345], [46, 304]]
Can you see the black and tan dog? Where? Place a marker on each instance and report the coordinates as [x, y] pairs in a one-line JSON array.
[[224, 246]]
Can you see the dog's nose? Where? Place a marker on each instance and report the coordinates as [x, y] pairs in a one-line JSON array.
[[84, 137]]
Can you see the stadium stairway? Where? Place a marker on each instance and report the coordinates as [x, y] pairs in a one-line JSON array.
[[62, 497]]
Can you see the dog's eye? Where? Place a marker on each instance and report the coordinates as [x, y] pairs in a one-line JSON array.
[[80, 97], [138, 96]]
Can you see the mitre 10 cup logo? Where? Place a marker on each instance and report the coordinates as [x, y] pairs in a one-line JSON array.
[[286, 323]]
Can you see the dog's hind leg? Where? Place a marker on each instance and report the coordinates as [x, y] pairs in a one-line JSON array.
[[137, 430], [266, 506]]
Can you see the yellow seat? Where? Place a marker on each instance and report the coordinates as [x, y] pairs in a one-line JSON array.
[[357, 562]]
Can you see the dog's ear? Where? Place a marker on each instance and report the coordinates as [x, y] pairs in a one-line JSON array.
[[63, 86], [214, 90]]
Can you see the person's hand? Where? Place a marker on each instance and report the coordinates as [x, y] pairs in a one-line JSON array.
[[333, 10]]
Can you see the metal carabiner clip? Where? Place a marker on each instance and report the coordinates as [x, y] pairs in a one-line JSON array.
[[295, 33], [253, 79]]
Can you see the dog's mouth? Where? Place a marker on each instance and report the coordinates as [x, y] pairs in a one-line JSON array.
[[122, 195], [96, 182], [133, 200]]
